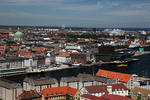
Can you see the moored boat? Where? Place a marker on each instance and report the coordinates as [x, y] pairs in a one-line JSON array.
[[122, 65]]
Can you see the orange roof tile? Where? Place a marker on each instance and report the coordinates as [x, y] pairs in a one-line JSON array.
[[64, 54], [114, 75], [57, 91]]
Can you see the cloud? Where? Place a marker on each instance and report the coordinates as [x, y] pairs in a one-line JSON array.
[[141, 5], [31, 2], [74, 5], [127, 13], [111, 4], [83, 7], [35, 17]]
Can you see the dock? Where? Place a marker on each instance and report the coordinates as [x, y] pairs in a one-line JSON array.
[[138, 53]]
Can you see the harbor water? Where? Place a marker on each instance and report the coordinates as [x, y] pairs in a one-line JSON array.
[[141, 68]]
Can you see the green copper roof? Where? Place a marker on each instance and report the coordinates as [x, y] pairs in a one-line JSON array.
[[18, 34]]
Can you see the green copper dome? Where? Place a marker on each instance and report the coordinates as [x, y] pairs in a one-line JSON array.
[[18, 34]]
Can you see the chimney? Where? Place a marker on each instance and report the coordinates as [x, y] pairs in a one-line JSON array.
[[109, 89]]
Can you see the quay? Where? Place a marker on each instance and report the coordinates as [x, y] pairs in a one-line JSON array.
[[61, 67], [141, 53]]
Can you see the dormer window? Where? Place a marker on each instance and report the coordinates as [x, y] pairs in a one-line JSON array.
[[139, 96]]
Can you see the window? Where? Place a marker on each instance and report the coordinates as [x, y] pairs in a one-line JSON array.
[[148, 97], [139, 96]]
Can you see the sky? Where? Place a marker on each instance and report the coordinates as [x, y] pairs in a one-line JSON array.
[[79, 13]]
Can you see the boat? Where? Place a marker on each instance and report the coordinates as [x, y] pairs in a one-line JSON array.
[[122, 65]]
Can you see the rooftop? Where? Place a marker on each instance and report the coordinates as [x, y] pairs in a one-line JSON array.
[[103, 88], [40, 81], [114, 75], [58, 91], [9, 84], [30, 95]]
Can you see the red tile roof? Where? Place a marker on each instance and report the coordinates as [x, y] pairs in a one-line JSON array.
[[105, 97], [90, 97], [30, 95], [64, 54], [114, 97], [114, 75], [58, 91], [103, 88]]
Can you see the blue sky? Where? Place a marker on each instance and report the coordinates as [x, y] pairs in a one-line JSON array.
[[87, 13]]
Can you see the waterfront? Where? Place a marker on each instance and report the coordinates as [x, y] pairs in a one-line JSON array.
[[141, 67]]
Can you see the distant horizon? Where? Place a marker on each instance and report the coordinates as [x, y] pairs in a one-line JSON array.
[[59, 26]]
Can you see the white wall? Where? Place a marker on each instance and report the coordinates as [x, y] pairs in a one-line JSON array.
[[60, 59]]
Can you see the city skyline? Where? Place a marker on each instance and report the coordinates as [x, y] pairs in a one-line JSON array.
[[82, 13]]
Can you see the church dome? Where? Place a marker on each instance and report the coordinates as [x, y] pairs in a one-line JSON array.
[[18, 34]]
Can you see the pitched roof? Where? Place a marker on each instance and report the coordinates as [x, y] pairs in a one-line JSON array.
[[103, 88], [114, 75], [30, 95], [40, 81], [90, 97], [57, 91], [64, 54], [9, 84], [105, 97], [143, 92], [86, 78], [114, 97]]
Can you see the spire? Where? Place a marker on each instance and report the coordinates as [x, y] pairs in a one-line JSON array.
[[18, 28]]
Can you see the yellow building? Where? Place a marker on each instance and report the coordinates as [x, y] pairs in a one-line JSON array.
[[140, 94]]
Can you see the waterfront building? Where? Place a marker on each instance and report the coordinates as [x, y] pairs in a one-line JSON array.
[[9, 90], [99, 90], [39, 84], [78, 57], [60, 93], [48, 59], [140, 94], [31, 62], [126, 79], [108, 54], [63, 57], [83, 80], [12, 62]]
